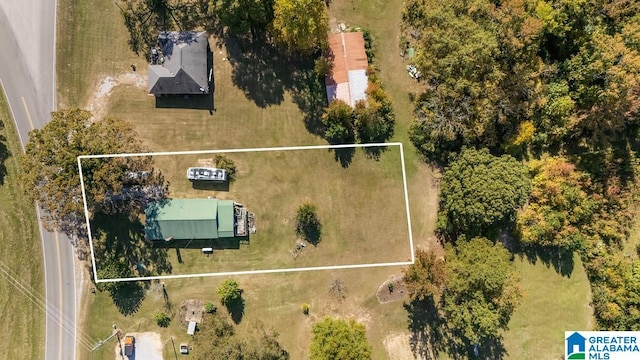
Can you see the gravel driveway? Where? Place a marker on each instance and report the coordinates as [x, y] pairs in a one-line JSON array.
[[148, 347]]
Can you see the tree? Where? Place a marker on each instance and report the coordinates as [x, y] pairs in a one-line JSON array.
[[217, 339], [374, 118], [223, 162], [335, 339], [558, 208], [54, 150], [338, 121], [242, 16], [481, 64], [300, 26], [426, 277], [113, 269], [229, 292], [162, 319], [307, 223], [481, 193], [482, 290], [144, 19], [323, 66]]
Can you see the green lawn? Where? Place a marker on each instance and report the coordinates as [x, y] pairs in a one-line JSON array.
[[363, 221], [22, 295], [552, 304]]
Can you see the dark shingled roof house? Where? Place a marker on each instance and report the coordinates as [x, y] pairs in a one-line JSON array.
[[188, 219], [180, 64]]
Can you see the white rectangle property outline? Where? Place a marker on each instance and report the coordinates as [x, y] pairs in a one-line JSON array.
[[248, 272]]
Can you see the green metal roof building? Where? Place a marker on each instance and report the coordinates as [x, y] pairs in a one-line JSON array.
[[186, 219]]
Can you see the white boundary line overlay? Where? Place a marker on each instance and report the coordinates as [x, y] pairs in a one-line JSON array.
[[248, 272]]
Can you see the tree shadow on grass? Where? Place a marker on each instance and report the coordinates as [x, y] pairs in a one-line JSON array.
[[129, 297], [426, 328], [431, 337], [374, 152], [236, 309], [308, 92], [344, 155], [121, 236], [4, 156], [561, 260], [264, 74], [257, 69]]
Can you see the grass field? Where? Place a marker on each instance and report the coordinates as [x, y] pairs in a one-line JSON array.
[[242, 119], [552, 303], [22, 319], [364, 221]]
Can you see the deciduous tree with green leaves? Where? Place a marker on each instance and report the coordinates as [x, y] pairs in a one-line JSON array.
[[336, 339], [308, 224], [229, 291], [482, 289], [338, 122], [481, 193], [300, 27], [245, 16], [374, 118], [217, 339], [53, 152]]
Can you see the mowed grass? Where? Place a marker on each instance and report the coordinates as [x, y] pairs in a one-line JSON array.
[[22, 318], [89, 46], [552, 303], [362, 209], [239, 122]]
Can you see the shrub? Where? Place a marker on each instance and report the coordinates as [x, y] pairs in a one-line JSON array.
[[162, 319], [305, 309], [307, 223], [229, 292], [223, 162], [209, 307], [390, 287]]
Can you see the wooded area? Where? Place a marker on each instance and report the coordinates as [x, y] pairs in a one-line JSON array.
[[556, 85]]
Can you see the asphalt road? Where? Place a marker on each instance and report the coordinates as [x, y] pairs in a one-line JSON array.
[[27, 73]]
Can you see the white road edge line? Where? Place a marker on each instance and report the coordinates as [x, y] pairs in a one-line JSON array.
[[55, 107], [55, 235], [249, 272], [13, 114]]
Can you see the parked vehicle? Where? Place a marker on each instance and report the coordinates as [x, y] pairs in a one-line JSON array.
[[129, 345], [206, 174]]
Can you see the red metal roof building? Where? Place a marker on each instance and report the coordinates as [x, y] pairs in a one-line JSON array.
[[348, 78]]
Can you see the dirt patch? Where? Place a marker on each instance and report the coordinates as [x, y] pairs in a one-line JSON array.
[[191, 310], [100, 98], [399, 348], [392, 290], [148, 346]]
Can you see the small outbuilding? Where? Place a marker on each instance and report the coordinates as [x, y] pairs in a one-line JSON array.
[[191, 329], [348, 79]]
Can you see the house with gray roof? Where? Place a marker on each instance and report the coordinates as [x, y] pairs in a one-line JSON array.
[[179, 64]]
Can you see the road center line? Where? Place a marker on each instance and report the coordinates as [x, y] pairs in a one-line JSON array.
[[26, 109], [55, 234]]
